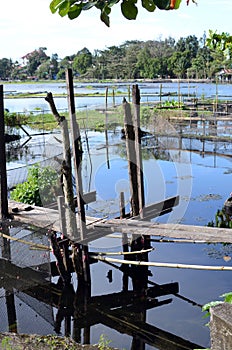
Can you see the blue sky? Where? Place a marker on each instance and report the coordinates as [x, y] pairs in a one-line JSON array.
[[26, 25]]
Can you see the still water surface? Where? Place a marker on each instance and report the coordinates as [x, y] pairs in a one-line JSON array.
[[203, 181], [149, 92]]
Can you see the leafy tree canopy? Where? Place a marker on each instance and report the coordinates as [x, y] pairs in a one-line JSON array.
[[129, 9]]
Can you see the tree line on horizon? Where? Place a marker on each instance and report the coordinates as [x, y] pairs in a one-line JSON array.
[[188, 57]]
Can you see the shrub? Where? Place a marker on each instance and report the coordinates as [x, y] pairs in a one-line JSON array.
[[39, 189]]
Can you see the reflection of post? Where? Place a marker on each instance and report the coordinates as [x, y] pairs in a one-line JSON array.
[[10, 301], [124, 244], [4, 200], [65, 309], [80, 310]]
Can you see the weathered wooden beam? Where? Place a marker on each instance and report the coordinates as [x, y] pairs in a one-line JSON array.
[[154, 210], [190, 232], [88, 197]]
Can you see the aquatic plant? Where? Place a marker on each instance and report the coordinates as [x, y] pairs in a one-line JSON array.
[[222, 219]]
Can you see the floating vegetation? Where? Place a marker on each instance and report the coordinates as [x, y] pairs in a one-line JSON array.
[[208, 197]]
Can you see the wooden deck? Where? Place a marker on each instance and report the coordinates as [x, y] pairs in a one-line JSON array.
[[97, 228]]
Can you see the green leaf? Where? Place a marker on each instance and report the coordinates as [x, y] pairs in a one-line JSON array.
[[162, 4], [64, 8], [227, 297], [55, 4], [74, 11], [112, 2], [207, 306], [105, 18], [149, 5], [129, 10], [89, 5], [105, 15]]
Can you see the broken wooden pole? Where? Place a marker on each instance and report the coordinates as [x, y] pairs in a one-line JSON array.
[[4, 192], [66, 170]]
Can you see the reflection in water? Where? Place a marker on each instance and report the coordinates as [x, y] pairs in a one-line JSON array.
[[76, 311]]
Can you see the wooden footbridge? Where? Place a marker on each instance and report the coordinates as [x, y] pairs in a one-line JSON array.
[[97, 228]]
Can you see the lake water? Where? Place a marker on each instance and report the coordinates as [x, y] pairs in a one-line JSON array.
[[149, 92], [198, 171]]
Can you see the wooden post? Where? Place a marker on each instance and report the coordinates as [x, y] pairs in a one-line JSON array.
[[65, 242], [160, 95], [131, 156], [140, 275], [106, 131], [139, 164], [61, 209], [77, 157], [4, 199], [77, 153]]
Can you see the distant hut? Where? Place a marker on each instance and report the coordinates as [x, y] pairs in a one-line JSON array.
[[225, 75]]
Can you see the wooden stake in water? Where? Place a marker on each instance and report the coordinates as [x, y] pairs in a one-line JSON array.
[[77, 153], [138, 152], [77, 157], [4, 199]]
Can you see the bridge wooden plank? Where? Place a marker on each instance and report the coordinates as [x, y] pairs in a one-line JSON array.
[[97, 228]]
